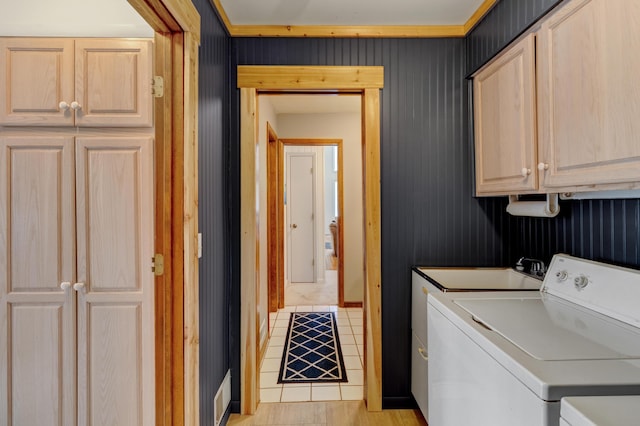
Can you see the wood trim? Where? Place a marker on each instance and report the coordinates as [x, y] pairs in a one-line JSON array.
[[222, 14], [248, 273], [355, 31], [177, 196], [163, 235], [157, 15], [177, 27], [353, 304], [273, 263], [190, 230], [373, 261], [269, 77], [351, 31], [480, 13], [280, 238], [371, 173]]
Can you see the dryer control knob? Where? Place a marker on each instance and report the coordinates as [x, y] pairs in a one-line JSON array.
[[562, 275], [581, 282]]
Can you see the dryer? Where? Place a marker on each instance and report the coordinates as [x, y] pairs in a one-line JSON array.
[[508, 358]]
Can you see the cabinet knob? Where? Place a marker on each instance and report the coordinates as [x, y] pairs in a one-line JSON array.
[[525, 172], [78, 286], [543, 166], [65, 285], [63, 106], [75, 106]]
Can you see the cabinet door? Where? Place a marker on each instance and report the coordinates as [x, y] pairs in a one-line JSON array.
[[37, 254], [36, 74], [589, 106], [114, 202], [113, 83], [504, 122]]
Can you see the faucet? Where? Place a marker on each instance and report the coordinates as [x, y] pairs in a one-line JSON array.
[[536, 267]]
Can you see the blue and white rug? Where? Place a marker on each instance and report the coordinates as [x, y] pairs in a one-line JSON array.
[[312, 350]]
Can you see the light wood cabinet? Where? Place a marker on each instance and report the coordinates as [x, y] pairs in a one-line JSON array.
[[76, 287], [81, 82], [589, 94], [577, 113], [504, 116]]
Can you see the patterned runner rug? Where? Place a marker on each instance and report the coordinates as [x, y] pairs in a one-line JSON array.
[[312, 350]]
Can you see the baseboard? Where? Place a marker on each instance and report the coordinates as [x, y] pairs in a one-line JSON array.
[[353, 304], [398, 403], [234, 407]]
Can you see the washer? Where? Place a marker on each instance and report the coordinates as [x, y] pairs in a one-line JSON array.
[[507, 358]]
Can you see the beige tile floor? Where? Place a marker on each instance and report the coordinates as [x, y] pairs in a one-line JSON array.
[[351, 341], [324, 293]]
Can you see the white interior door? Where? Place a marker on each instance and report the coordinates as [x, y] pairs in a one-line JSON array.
[[301, 208], [37, 255], [114, 204]]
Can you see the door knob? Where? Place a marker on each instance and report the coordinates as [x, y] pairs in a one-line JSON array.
[[63, 106], [75, 106], [65, 285], [78, 286], [294, 226], [543, 166]]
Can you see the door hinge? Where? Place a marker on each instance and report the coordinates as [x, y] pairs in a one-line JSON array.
[[313, 262], [157, 86], [157, 264]]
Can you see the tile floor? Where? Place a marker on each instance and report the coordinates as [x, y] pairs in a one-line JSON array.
[[351, 341]]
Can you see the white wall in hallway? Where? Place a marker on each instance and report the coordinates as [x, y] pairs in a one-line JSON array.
[[72, 18]]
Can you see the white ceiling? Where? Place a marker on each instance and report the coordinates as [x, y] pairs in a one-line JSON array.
[[349, 12], [314, 104]]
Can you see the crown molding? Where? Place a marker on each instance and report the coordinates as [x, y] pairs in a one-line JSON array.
[[368, 31]]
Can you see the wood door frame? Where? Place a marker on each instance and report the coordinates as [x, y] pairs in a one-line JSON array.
[[366, 81], [177, 37], [275, 220]]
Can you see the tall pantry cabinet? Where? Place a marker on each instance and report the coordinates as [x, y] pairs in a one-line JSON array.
[[76, 232]]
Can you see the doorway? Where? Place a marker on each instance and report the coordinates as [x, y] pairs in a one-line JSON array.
[[325, 269], [367, 82]]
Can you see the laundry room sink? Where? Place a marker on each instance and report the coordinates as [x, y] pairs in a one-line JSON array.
[[474, 279]]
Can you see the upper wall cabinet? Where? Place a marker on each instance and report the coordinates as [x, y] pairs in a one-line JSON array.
[[589, 94], [577, 106], [504, 113], [81, 82]]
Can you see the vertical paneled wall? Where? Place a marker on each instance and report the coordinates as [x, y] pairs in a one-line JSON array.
[[502, 24], [607, 230], [429, 216], [213, 130]]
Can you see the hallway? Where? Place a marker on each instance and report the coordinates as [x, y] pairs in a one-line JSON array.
[[350, 333]]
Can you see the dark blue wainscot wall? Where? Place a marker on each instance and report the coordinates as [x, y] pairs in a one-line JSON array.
[[606, 230], [429, 215], [213, 131]]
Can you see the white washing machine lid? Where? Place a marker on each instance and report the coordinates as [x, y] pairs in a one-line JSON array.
[[551, 329]]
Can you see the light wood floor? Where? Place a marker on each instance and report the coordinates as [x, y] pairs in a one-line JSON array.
[[333, 413]]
